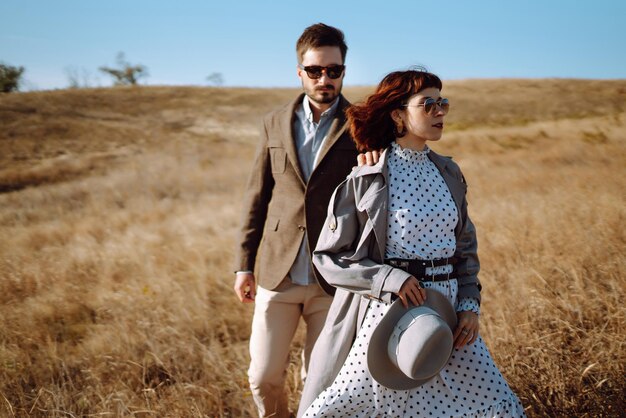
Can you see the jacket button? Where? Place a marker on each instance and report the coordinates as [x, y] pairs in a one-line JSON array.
[[302, 227]]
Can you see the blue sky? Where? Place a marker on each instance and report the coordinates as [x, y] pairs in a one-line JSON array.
[[252, 43]]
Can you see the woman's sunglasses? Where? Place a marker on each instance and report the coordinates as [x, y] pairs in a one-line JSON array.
[[430, 105], [315, 71]]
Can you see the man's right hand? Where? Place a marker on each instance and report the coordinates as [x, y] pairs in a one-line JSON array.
[[368, 158], [245, 287]]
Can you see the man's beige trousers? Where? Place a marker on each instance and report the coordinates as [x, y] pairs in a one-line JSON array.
[[276, 316]]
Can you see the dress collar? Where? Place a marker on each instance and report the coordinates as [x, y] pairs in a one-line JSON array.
[[407, 154]]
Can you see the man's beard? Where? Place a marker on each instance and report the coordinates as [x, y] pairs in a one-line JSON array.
[[323, 96]]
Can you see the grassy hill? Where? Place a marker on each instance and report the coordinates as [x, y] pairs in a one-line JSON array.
[[118, 215]]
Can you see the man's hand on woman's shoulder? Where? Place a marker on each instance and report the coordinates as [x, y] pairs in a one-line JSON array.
[[368, 158]]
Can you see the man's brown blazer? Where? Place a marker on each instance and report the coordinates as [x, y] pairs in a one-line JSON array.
[[279, 205]]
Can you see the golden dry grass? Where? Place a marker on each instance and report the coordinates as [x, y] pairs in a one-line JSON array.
[[119, 209]]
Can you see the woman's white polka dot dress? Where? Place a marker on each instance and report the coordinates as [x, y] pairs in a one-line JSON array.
[[422, 218]]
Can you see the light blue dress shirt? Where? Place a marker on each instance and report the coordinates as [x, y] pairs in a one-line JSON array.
[[309, 137]]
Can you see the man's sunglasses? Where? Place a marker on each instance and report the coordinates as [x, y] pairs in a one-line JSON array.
[[315, 71], [430, 105]]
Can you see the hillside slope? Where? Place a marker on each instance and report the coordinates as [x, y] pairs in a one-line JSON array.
[[119, 211]]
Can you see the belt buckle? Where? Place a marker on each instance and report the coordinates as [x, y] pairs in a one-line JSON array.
[[403, 264]]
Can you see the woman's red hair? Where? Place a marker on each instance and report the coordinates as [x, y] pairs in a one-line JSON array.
[[371, 125]]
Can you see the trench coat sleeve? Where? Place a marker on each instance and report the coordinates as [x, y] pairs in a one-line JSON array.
[[257, 196], [468, 265], [343, 253]]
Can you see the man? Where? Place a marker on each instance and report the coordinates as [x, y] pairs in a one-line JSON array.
[[304, 152]]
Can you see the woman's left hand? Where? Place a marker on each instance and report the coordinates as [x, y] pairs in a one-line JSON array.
[[466, 330]]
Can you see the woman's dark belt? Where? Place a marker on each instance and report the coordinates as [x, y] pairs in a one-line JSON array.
[[417, 268]]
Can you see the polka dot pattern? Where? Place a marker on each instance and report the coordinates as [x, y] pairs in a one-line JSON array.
[[422, 218], [422, 214], [470, 385]]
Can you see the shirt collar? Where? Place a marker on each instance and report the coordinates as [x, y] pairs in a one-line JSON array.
[[308, 113]]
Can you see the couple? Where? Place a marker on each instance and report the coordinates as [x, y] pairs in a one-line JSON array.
[[395, 229]]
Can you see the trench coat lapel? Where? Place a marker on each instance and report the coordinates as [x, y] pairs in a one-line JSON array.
[[375, 200], [286, 128]]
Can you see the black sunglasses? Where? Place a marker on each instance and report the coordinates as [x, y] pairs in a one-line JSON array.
[[315, 71], [430, 105]]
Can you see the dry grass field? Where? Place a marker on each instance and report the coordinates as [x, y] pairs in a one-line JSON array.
[[119, 210]]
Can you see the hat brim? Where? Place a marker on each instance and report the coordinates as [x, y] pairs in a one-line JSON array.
[[382, 369]]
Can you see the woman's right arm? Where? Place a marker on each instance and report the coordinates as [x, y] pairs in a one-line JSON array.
[[342, 253]]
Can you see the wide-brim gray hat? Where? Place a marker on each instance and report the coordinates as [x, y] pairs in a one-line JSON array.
[[411, 345]]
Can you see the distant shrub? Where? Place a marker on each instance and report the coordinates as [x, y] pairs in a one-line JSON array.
[[216, 79], [126, 74], [79, 78], [10, 78]]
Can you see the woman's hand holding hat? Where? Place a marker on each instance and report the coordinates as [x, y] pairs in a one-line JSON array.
[[412, 291]]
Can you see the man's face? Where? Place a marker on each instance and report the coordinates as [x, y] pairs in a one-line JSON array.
[[323, 90]]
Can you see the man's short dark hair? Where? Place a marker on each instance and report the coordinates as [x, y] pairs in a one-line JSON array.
[[319, 35]]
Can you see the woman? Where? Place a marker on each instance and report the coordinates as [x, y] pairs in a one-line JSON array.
[[411, 205]]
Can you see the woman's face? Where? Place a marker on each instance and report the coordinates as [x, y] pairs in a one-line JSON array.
[[422, 126]]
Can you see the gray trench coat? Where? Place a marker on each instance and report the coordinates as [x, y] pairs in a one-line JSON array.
[[350, 253]]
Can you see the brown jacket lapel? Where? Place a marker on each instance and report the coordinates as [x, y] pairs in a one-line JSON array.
[[286, 127], [337, 128]]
